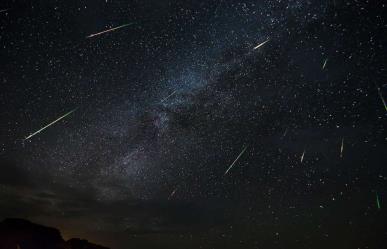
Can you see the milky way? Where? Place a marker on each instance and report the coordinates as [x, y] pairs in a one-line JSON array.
[[166, 104]]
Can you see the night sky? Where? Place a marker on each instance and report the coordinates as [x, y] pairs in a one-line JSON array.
[[287, 95]]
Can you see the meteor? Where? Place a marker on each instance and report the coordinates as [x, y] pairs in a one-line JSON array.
[[286, 132], [325, 63], [4, 10], [261, 44], [172, 194], [168, 96], [342, 148], [45, 127], [240, 154], [381, 97], [108, 30], [302, 156], [377, 201]]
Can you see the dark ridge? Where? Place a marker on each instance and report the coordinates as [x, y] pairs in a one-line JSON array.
[[23, 234]]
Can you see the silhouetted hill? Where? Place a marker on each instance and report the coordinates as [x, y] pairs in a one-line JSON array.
[[23, 234]]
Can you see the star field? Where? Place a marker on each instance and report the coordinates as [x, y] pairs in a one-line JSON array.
[[198, 124]]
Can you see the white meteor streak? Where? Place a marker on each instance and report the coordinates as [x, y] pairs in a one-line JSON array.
[[342, 148], [45, 127], [261, 44], [108, 30], [172, 194], [302, 156], [286, 132], [168, 96], [325, 63], [232, 165]]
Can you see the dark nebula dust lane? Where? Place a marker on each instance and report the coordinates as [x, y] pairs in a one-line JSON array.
[[196, 124]]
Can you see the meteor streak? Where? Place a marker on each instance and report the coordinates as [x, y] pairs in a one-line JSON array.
[[342, 148], [168, 96], [377, 201], [325, 63], [45, 127], [108, 30], [286, 132], [302, 156], [240, 154], [381, 97], [261, 44], [172, 194]]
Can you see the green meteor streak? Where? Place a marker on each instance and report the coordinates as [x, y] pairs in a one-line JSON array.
[[377, 201], [45, 127], [381, 97]]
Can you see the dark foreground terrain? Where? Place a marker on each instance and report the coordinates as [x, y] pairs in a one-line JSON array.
[[23, 234]]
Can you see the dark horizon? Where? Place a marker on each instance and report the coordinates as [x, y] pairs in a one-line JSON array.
[[24, 234], [196, 124]]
